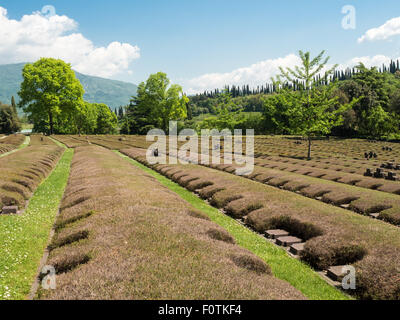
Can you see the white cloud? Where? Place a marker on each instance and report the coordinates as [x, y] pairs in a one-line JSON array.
[[389, 29], [254, 75], [36, 36], [374, 61]]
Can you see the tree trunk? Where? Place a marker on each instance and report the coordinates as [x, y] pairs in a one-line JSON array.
[[51, 123], [309, 148]]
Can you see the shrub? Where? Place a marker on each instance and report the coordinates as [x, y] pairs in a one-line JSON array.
[[75, 237], [198, 214], [321, 257], [251, 263], [71, 262], [220, 235]]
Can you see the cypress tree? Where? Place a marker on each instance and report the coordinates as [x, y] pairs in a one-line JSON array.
[[13, 104]]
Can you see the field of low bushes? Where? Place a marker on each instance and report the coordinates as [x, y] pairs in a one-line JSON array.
[[130, 230], [334, 236], [10, 143], [21, 173], [123, 243]]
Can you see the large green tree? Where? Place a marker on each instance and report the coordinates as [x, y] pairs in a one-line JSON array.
[[313, 108], [107, 121], [377, 107], [49, 89], [157, 102], [85, 118]]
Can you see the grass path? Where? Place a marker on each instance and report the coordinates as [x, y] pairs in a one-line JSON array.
[[25, 144], [23, 238], [298, 274]]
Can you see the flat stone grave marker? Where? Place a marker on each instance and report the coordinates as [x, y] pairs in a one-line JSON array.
[[336, 273], [10, 210], [368, 173], [297, 248], [275, 234], [378, 173], [391, 176], [288, 241]]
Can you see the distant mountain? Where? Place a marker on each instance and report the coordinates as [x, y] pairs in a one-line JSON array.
[[111, 92]]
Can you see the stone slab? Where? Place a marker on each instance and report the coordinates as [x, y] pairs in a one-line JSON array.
[[288, 241], [275, 234], [336, 273], [297, 248], [10, 210]]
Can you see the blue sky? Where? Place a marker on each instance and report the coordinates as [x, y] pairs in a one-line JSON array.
[[204, 43]]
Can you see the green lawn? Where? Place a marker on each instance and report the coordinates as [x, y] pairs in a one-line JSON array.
[[283, 266], [23, 238]]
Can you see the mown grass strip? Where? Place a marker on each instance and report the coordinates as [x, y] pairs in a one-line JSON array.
[[25, 144], [62, 145], [298, 274], [23, 238]]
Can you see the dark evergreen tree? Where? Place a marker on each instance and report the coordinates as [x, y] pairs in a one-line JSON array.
[[9, 122]]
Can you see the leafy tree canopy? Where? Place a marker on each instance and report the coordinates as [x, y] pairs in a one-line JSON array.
[[49, 89], [157, 102], [229, 115], [9, 122], [53, 98], [313, 109]]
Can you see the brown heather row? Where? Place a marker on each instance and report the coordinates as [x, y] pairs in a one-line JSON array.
[[14, 139], [5, 148], [70, 141], [329, 172], [333, 236], [347, 152], [121, 235], [344, 194], [344, 150], [120, 142], [22, 172], [109, 142], [332, 148], [360, 194], [116, 142], [350, 166], [11, 142], [354, 198], [369, 202], [38, 139]]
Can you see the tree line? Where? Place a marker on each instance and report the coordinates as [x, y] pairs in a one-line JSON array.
[[375, 114], [268, 88], [359, 102]]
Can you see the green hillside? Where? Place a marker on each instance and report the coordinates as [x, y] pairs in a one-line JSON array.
[[112, 93]]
